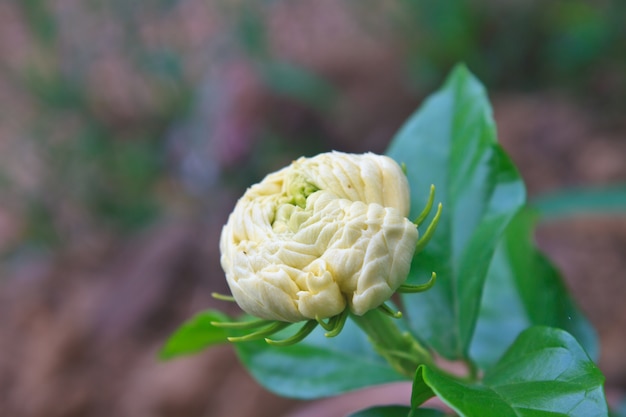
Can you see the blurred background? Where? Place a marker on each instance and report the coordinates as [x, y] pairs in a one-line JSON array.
[[129, 129]]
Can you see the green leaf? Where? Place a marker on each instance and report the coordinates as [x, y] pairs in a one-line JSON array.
[[318, 366], [397, 411], [195, 335], [524, 289], [544, 373], [451, 143], [582, 201]]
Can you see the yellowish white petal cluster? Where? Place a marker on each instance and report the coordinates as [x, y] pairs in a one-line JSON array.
[[320, 235]]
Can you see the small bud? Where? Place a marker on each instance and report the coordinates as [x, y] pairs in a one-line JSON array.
[[319, 236]]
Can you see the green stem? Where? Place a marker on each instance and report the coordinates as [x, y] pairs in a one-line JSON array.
[[401, 350], [472, 371]]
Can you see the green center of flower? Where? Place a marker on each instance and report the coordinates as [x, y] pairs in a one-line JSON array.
[[298, 189], [290, 212]]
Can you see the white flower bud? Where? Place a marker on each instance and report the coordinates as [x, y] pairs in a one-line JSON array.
[[319, 235]]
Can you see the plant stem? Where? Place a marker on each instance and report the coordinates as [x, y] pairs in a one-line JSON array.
[[401, 350]]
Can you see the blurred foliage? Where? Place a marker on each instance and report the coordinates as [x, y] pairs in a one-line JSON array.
[[108, 161], [278, 75], [572, 202], [574, 44], [97, 164]]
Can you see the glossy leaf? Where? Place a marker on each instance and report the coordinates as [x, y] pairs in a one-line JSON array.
[[524, 289], [397, 411], [195, 335], [544, 373], [318, 366], [451, 143]]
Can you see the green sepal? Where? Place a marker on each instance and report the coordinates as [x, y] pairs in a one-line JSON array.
[[304, 331], [410, 288]]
